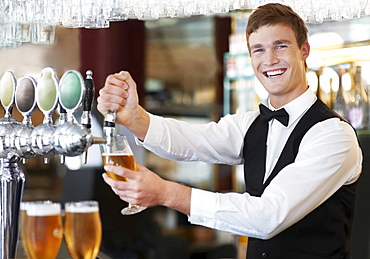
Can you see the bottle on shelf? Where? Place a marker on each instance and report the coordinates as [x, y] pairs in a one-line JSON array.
[[341, 100], [358, 108], [320, 93]]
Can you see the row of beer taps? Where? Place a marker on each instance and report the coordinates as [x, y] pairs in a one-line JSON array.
[[22, 140]]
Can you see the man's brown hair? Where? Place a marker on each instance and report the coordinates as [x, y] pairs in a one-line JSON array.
[[274, 13]]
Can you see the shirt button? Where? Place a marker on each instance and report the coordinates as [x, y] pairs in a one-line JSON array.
[[264, 255]]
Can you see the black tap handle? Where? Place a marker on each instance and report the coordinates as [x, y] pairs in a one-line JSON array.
[[90, 91], [62, 120], [62, 114], [61, 109]]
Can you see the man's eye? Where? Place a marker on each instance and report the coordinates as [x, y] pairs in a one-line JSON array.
[[257, 50], [281, 46]]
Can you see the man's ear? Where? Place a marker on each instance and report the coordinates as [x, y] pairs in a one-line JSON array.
[[305, 50]]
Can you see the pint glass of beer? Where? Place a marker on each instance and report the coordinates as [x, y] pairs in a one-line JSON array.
[[23, 221], [23, 225], [119, 153], [43, 231], [82, 229]]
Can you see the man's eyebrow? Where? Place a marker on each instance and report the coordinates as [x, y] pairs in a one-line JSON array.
[[276, 42], [256, 46], [282, 41]]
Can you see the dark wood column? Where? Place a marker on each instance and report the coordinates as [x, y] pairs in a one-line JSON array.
[[110, 50], [222, 32]]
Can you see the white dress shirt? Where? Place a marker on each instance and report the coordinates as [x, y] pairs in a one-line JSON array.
[[329, 156]]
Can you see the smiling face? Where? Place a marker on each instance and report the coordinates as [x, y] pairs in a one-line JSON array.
[[278, 62]]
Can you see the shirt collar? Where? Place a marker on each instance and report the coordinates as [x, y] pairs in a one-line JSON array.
[[298, 106]]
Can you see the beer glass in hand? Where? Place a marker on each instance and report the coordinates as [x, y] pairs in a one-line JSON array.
[[118, 152], [43, 231], [82, 229]]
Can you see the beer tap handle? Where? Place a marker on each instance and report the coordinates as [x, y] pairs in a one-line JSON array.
[[47, 101], [25, 101], [86, 119], [71, 92], [62, 120], [8, 84], [110, 119], [109, 128]]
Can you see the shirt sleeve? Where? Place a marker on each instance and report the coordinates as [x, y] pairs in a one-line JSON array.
[[216, 143], [329, 157]]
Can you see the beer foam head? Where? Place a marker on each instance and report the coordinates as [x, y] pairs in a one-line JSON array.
[[24, 204], [82, 207], [117, 153], [43, 209]]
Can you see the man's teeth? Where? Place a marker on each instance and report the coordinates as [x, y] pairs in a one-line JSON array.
[[274, 73]]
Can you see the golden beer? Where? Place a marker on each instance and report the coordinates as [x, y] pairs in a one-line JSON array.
[[119, 159], [83, 231], [43, 232], [116, 151], [23, 224]]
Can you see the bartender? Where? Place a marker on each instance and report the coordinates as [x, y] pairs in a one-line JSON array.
[[300, 182]]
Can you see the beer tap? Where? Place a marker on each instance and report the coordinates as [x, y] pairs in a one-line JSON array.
[[12, 178], [109, 128], [86, 118], [62, 120], [47, 101], [25, 101], [23, 141], [7, 91], [71, 91], [72, 138]]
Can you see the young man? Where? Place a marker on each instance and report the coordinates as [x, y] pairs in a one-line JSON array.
[[300, 191]]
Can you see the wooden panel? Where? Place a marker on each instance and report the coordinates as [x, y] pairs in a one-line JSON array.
[[120, 47]]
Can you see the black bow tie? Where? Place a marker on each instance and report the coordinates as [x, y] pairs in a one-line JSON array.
[[281, 115]]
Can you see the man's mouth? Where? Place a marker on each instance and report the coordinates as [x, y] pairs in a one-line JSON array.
[[274, 73]]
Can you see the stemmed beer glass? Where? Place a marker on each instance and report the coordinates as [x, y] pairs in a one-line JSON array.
[[82, 229], [118, 152]]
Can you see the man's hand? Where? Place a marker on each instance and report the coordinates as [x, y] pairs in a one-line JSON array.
[[145, 188], [120, 94]]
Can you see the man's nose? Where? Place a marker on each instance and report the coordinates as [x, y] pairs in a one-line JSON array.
[[270, 58]]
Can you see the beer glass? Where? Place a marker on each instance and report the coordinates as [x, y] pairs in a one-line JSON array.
[[82, 229], [119, 153], [43, 231], [23, 223], [23, 226]]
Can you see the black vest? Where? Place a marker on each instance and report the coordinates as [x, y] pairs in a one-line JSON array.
[[323, 233]]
